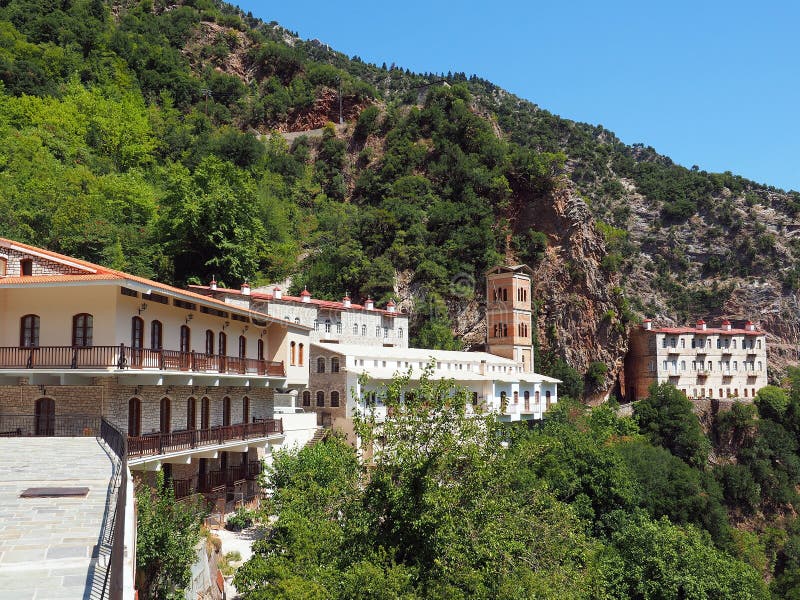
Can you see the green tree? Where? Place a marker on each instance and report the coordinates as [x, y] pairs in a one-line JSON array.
[[666, 418], [166, 535], [656, 559]]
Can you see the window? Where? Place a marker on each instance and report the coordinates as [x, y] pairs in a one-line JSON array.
[[301, 358], [547, 398], [338, 327], [334, 365], [320, 365], [191, 407], [306, 398], [355, 328], [683, 365], [758, 344], [505, 330], [29, 331], [733, 344], [242, 347], [334, 399], [3, 267], [165, 416], [186, 339], [245, 409], [205, 413], [664, 343], [400, 333], [363, 330], [320, 398], [226, 411], [134, 417], [82, 330], [327, 325], [316, 325], [292, 353], [297, 320], [516, 397], [683, 343], [377, 331], [26, 267], [745, 392], [223, 344], [385, 332], [156, 339], [209, 342], [505, 294]]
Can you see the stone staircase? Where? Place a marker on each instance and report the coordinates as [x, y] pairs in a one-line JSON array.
[[319, 435]]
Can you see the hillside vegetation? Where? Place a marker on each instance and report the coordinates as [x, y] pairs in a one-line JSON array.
[[142, 135]]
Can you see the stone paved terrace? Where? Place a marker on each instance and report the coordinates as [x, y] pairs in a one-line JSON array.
[[46, 544]]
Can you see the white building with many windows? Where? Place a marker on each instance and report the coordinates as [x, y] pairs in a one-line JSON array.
[[701, 361]]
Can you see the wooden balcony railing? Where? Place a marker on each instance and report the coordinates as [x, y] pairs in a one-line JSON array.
[[123, 357], [162, 443]]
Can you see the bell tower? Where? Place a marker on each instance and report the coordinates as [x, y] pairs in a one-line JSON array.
[[509, 326]]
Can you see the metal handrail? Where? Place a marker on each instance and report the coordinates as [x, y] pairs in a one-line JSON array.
[[160, 443], [125, 357]]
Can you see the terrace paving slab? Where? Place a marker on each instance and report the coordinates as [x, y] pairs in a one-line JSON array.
[[47, 543]]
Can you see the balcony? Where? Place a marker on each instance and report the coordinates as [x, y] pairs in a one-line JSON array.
[[135, 359], [162, 443]]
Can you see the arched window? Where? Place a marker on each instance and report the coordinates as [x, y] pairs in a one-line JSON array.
[[758, 344], [156, 335], [292, 353], [363, 330], [338, 327], [205, 413], [505, 330], [29, 331], [226, 411], [355, 328], [134, 417], [306, 398], [242, 347], [320, 365], [536, 397], [334, 399], [327, 325], [137, 332], [377, 331], [320, 398], [301, 356], [245, 410], [260, 349], [186, 339], [223, 343], [297, 320], [191, 410], [547, 398], [82, 327], [334, 365], [209, 342], [316, 324], [45, 417], [26, 267], [165, 416], [400, 333]]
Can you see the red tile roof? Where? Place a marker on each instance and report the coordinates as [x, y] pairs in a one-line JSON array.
[[284, 298], [707, 331], [104, 274]]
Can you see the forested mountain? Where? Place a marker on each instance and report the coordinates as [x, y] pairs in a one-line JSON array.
[[161, 138]]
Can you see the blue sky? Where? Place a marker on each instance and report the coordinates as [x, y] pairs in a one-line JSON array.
[[710, 83]]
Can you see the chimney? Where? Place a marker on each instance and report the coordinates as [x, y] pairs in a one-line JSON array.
[[647, 324], [390, 306], [749, 326], [277, 292], [245, 289], [346, 300], [726, 325], [213, 284], [701, 325], [369, 304], [305, 296]]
